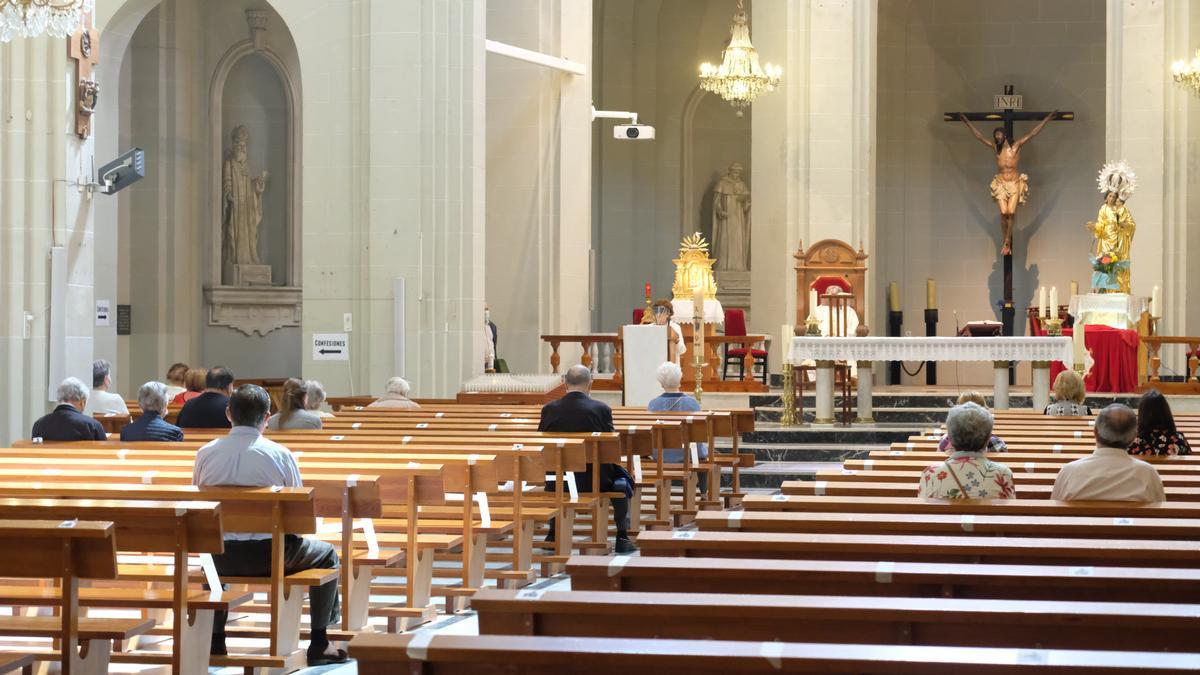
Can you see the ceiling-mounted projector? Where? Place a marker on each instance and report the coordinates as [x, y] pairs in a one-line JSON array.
[[122, 172]]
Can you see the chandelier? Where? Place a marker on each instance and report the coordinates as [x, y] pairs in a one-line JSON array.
[[1187, 73], [739, 79], [31, 18]]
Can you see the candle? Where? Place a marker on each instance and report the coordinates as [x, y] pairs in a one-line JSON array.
[[930, 294], [813, 302], [1042, 309], [894, 296], [647, 290], [698, 302], [1054, 302], [1074, 288], [786, 344], [1077, 343], [1156, 303]]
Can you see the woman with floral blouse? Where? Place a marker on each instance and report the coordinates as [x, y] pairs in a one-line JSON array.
[[967, 473], [1156, 432]]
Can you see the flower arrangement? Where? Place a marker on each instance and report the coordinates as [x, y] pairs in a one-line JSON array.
[[1104, 264]]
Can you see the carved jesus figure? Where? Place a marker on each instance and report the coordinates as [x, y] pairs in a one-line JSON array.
[[242, 200], [1009, 186]]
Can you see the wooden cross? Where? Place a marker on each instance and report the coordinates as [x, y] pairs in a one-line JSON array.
[[1008, 109], [84, 48]]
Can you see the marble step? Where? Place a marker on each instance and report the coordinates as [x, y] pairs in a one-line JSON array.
[[769, 433], [771, 475], [806, 452], [911, 415]]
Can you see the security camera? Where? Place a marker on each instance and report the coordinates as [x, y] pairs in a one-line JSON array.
[[122, 172], [633, 132]]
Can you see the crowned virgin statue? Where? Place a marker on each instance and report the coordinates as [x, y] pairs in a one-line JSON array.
[[1113, 230]]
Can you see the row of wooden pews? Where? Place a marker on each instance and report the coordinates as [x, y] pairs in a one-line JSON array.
[[822, 578]]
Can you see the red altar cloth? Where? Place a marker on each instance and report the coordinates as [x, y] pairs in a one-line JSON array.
[[1115, 352]]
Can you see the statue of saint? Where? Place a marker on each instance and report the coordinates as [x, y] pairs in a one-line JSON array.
[[1113, 230], [731, 221], [1009, 186], [242, 199]]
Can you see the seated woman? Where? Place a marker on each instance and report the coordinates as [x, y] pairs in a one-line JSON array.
[[395, 395], [176, 384], [673, 400], [664, 312], [194, 380], [995, 444], [1069, 393], [1156, 432], [967, 473], [316, 398], [293, 411]]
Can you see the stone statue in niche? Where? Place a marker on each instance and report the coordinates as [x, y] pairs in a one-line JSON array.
[[241, 198], [731, 221]]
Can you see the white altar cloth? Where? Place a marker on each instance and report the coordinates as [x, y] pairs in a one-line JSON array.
[[932, 349], [1118, 310]]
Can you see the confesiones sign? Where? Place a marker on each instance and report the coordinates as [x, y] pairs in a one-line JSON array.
[[331, 347]]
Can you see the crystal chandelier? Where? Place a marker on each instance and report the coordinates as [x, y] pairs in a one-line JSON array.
[[1187, 73], [739, 79], [31, 18]]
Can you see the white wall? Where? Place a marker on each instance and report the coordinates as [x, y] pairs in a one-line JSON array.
[[935, 215]]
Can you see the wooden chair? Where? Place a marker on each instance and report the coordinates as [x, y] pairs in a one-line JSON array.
[[735, 325]]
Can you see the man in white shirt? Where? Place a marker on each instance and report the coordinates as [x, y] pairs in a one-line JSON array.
[[102, 401], [245, 458], [1110, 473]]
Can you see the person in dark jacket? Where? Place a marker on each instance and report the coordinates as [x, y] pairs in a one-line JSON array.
[[207, 411], [66, 422], [152, 399], [575, 412]]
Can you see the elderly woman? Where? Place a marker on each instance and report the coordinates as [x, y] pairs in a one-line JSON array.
[[316, 398], [395, 395], [673, 400], [995, 443], [150, 426], [293, 409], [1069, 393], [967, 473]]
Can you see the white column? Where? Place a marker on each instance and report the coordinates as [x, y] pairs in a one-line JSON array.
[[1041, 384], [824, 393], [866, 412], [1000, 393]]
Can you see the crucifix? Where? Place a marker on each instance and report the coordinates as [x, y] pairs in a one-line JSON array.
[[84, 48], [1009, 186]]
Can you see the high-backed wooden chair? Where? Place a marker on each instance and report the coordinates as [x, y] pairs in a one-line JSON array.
[[735, 324], [826, 264]]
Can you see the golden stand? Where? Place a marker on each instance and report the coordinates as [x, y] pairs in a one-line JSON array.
[[698, 351], [789, 397]]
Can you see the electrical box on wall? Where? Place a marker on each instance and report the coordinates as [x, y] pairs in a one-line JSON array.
[[347, 322]]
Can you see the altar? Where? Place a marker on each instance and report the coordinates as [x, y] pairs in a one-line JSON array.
[[864, 351]]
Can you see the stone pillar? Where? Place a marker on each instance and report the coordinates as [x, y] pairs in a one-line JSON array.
[[823, 396], [866, 410], [1000, 393], [1041, 384], [813, 164]]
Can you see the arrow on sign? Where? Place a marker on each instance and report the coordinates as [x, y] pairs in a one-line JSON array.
[[330, 351]]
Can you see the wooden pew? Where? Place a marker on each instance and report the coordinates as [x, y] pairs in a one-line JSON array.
[[887, 474], [66, 551], [768, 576], [884, 489], [1028, 462], [529, 655], [912, 504], [816, 618]]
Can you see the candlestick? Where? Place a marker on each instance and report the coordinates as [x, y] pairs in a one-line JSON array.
[[894, 296], [788, 419], [647, 290], [1074, 288], [930, 294], [1156, 302], [1053, 302]]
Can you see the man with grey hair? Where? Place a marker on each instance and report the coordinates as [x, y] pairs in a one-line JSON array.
[[150, 426], [577, 411], [102, 401], [1110, 473], [66, 422], [967, 473]]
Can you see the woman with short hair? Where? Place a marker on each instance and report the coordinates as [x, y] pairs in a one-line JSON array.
[[316, 398], [1156, 431], [672, 399], [1069, 393], [995, 443], [967, 473], [195, 381], [395, 395]]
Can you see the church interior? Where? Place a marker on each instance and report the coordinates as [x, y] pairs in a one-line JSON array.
[[531, 336]]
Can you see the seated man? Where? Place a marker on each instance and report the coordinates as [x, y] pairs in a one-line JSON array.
[[152, 399], [207, 411], [577, 411], [66, 422], [246, 458], [1110, 474], [103, 401]]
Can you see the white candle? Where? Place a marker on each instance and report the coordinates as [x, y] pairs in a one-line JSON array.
[[1156, 302], [812, 302], [1054, 302], [1078, 343], [1042, 302], [698, 302], [786, 344], [1074, 288]]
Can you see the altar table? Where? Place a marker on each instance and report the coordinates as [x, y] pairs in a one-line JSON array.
[[1114, 351], [863, 351]]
